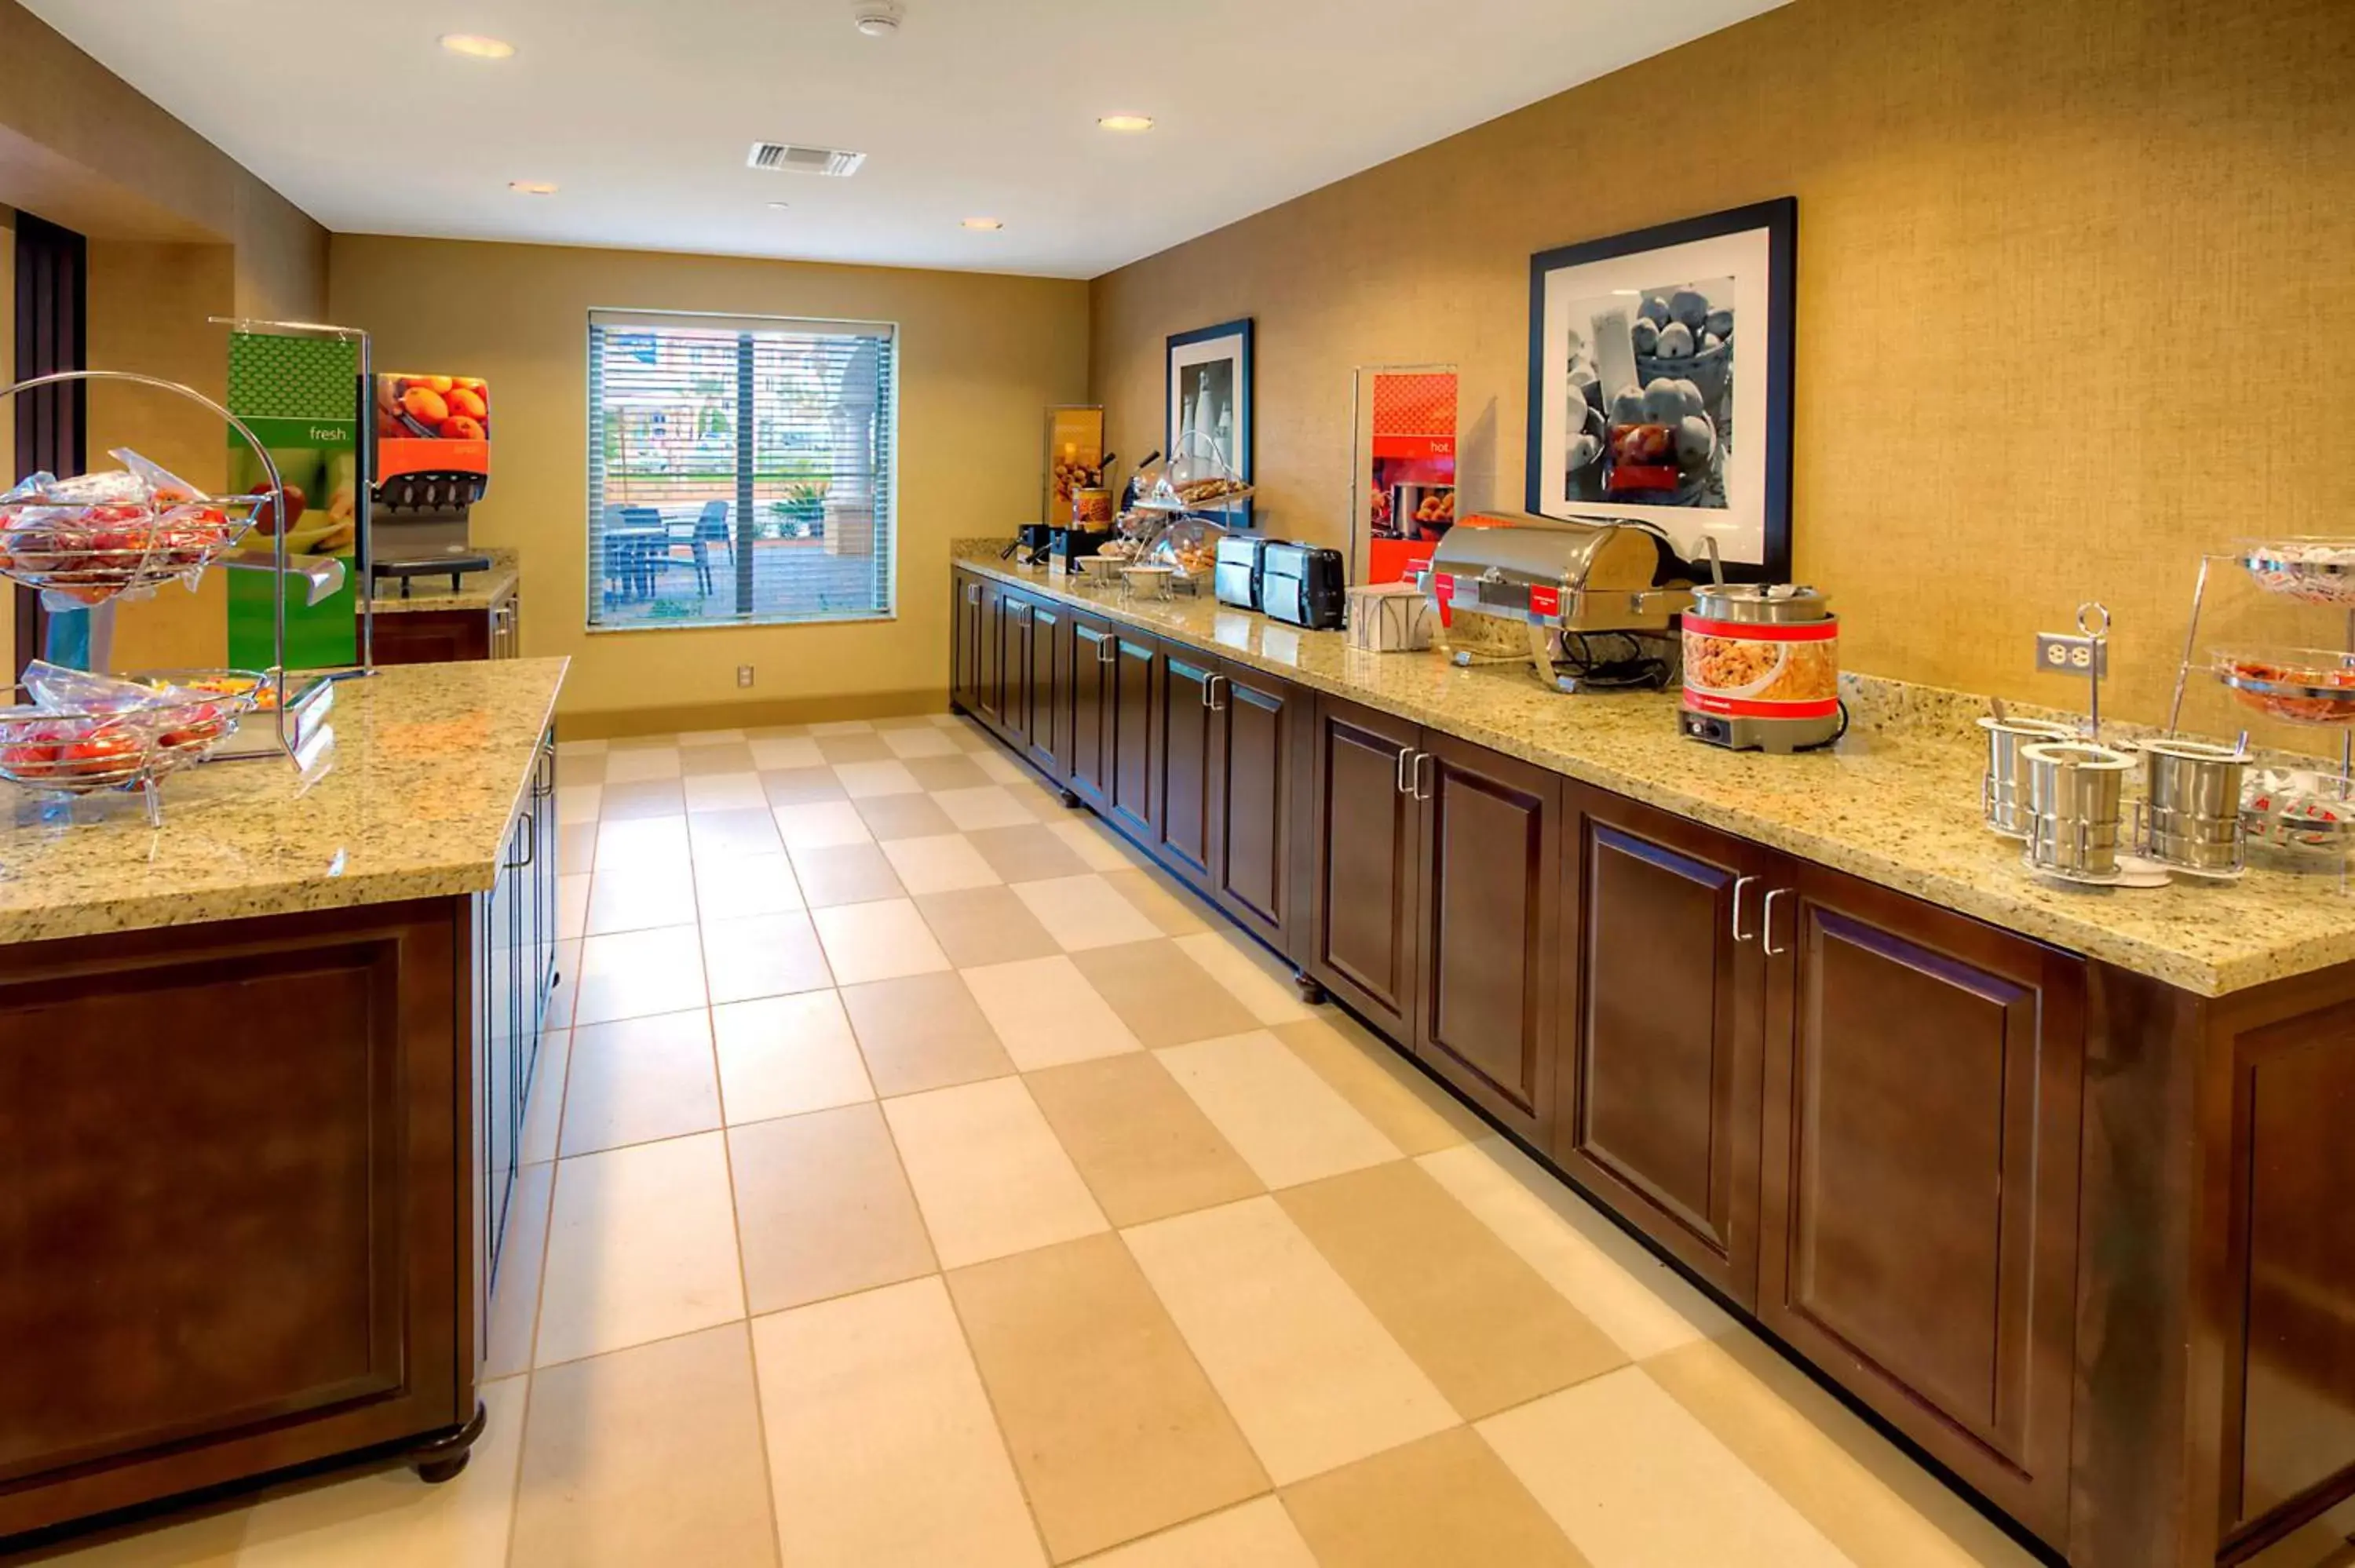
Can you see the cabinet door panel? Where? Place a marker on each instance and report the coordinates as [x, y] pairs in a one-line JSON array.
[[1049, 652], [1922, 1180], [1087, 709], [1489, 883], [1367, 848], [966, 620], [1012, 625], [1661, 1079], [1134, 675], [1253, 813], [1182, 775]]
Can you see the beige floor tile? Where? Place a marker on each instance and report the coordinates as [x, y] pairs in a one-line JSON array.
[[576, 848], [639, 973], [846, 746], [714, 759], [1418, 1115], [775, 731], [1643, 1304], [887, 723], [1488, 1331], [782, 1056], [883, 940], [1146, 1150], [1635, 1482], [1445, 1499], [640, 897], [889, 817], [1112, 1428], [989, 1172], [1259, 1534], [590, 748], [1259, 979], [1176, 913], [1030, 854], [641, 1245], [392, 1520], [1311, 1374], [638, 1080], [865, 781], [725, 792], [938, 773], [1000, 768], [1290, 1125], [763, 955], [801, 786], [882, 1450], [1868, 1500], [824, 1207], [988, 806], [1161, 995], [640, 763], [821, 824], [579, 767], [1046, 1013], [571, 905], [209, 1542], [1084, 911], [986, 926], [645, 798], [730, 888], [515, 1295], [543, 1119], [843, 727], [651, 1454], [927, 741], [1103, 848], [846, 874], [942, 863], [694, 739], [776, 755], [655, 841], [643, 743], [564, 996], [923, 1032], [576, 804], [727, 836]]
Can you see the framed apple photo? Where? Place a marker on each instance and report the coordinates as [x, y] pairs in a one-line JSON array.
[[1660, 384]]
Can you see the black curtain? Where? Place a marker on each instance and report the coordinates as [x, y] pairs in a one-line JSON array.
[[52, 335]]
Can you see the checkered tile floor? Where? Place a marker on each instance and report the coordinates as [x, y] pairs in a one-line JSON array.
[[916, 1180]]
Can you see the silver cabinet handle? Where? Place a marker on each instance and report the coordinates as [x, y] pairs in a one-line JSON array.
[[1108, 651], [1420, 792], [1766, 923], [530, 843], [1740, 886], [972, 593], [1217, 706], [1405, 760]]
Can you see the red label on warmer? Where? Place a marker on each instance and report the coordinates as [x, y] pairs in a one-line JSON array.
[[1763, 631], [1545, 601], [1751, 707], [1442, 588]]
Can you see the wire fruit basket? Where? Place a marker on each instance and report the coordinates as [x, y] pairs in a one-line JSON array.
[[125, 743]]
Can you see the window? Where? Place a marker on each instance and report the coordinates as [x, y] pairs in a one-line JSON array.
[[740, 470]]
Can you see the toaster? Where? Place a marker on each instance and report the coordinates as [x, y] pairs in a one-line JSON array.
[[1236, 579], [1303, 584]]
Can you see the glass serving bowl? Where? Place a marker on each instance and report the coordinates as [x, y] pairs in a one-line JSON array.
[[2300, 685], [2310, 568]]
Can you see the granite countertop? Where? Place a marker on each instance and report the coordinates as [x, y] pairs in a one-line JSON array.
[[412, 801], [479, 591], [1897, 802]]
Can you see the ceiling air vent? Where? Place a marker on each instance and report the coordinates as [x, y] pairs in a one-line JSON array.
[[784, 158]]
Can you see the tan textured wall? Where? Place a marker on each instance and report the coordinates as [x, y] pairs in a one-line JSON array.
[[2073, 299], [981, 359]]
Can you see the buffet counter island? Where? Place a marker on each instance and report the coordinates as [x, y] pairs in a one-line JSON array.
[[262, 1074], [2050, 1180]]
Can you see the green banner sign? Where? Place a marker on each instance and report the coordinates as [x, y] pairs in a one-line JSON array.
[[300, 396]]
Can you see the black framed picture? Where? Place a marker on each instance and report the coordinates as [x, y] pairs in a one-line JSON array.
[[1661, 384], [1208, 395]]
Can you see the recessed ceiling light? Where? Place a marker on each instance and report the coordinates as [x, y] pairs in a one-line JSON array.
[[877, 18], [531, 188], [1125, 121], [779, 206], [983, 223], [477, 46]]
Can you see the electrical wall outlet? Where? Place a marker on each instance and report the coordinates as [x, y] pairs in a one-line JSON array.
[[743, 674], [2059, 653]]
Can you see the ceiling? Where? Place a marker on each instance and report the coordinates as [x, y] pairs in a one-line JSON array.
[[641, 111]]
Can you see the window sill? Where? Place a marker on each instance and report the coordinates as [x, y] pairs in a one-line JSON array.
[[748, 624]]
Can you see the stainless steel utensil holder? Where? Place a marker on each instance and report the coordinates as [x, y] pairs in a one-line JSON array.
[[2003, 791], [2189, 816], [2077, 808]]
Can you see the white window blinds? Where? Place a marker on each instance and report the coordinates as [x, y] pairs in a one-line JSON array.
[[740, 470]]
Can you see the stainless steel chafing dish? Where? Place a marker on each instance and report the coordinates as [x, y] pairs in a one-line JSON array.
[[1552, 578]]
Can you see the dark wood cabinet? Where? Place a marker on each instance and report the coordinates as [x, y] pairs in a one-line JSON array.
[[450, 636], [1136, 680], [1918, 1200], [968, 633], [1010, 630], [1046, 727], [1488, 897], [1367, 848], [1185, 784], [1258, 728], [1659, 1062], [1086, 709]]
